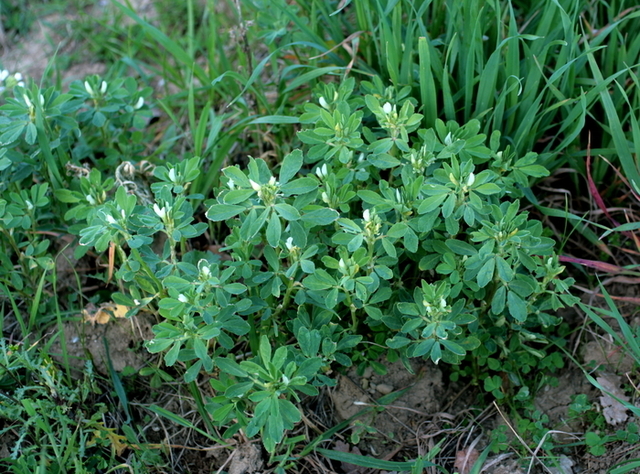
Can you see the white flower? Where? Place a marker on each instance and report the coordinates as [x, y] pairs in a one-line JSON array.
[[323, 103], [139, 104], [471, 179], [321, 171], [110, 219], [254, 185], [103, 87], [366, 215], [136, 302], [325, 197], [231, 184], [29, 204], [18, 77], [172, 175], [90, 199], [289, 243], [27, 101], [342, 266], [387, 108], [41, 99], [182, 298], [160, 211], [88, 88], [4, 74], [443, 303], [272, 181]]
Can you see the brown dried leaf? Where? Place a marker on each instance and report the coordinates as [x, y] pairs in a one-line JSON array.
[[614, 412], [465, 459]]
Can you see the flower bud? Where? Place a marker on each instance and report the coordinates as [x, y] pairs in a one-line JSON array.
[[323, 103], [139, 103], [448, 140], [88, 88], [387, 108], [103, 87]]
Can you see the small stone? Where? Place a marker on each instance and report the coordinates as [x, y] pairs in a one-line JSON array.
[[384, 388]]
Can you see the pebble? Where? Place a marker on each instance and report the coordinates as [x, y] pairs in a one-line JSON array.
[[384, 388]]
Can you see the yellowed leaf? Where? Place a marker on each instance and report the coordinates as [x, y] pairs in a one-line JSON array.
[[104, 313], [118, 442]]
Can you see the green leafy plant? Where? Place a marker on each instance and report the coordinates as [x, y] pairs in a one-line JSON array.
[[414, 233]]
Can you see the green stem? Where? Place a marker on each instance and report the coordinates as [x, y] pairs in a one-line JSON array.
[[352, 308], [287, 297]]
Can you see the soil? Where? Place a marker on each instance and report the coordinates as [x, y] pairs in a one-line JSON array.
[[421, 408]]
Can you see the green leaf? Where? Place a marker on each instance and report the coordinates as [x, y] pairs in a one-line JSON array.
[[499, 300], [238, 177], [504, 270], [461, 248], [451, 346], [230, 367], [488, 189], [265, 349], [64, 195], [323, 216], [274, 230], [236, 196], [290, 165], [319, 280], [431, 203], [383, 160], [517, 307], [287, 212], [299, 186], [397, 230], [371, 197], [536, 171], [235, 288], [222, 212], [485, 275]]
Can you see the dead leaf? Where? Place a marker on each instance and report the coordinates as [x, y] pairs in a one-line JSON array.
[[614, 412], [247, 459], [104, 313], [465, 459], [349, 468]]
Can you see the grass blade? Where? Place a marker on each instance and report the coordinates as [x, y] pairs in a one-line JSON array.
[[369, 462]]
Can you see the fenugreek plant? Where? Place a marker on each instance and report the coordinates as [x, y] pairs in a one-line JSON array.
[[374, 225], [47, 140]]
